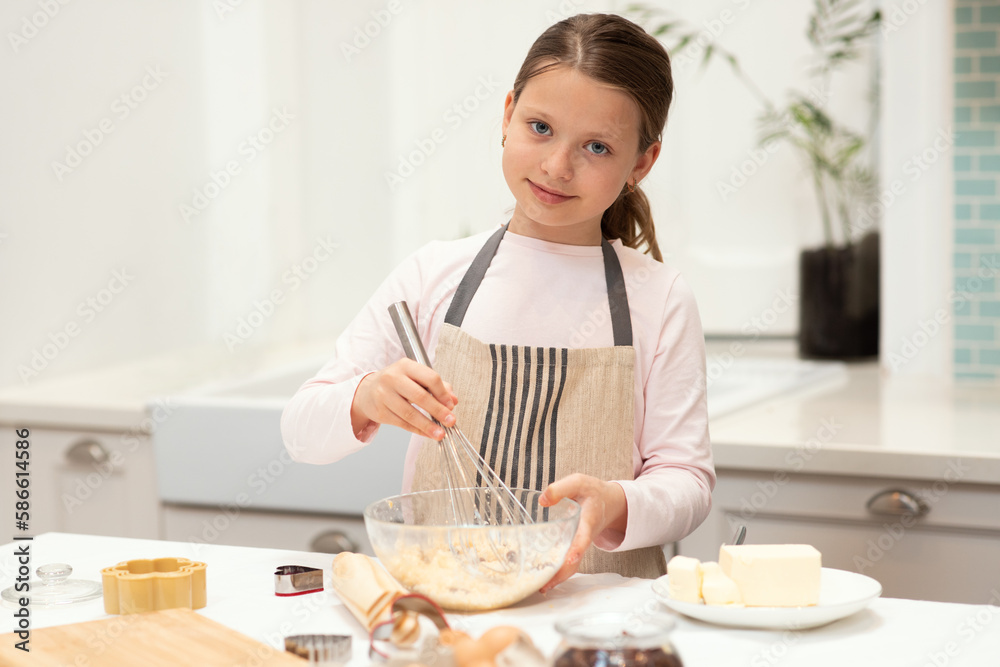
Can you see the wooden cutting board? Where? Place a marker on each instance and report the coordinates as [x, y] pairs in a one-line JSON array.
[[156, 639]]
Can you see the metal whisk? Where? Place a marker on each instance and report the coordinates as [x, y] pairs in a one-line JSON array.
[[486, 501]]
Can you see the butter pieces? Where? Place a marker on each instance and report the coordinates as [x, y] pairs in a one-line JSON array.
[[752, 575], [773, 575], [684, 579], [717, 587]]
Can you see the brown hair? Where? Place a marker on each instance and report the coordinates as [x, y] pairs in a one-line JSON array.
[[618, 53]]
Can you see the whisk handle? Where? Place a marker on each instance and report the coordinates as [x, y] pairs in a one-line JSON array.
[[407, 332]]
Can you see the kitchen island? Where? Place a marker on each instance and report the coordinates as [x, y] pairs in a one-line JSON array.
[[241, 596]]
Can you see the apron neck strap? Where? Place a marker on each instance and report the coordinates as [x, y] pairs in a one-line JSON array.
[[621, 322]]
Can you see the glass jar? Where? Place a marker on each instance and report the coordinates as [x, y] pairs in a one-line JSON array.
[[612, 639]]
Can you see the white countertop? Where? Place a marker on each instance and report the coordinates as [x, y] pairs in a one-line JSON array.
[[241, 596], [868, 423], [115, 398]]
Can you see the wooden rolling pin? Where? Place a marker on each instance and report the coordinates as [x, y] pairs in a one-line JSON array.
[[368, 592]]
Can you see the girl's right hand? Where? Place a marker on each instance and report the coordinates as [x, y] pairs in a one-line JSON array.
[[388, 396]]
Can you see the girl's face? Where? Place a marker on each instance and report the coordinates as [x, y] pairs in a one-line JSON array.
[[572, 143]]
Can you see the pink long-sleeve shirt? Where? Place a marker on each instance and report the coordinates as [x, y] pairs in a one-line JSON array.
[[542, 294]]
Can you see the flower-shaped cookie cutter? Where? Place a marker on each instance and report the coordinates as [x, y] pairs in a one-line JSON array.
[[150, 584]]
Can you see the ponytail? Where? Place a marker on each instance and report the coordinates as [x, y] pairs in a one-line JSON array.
[[631, 220]]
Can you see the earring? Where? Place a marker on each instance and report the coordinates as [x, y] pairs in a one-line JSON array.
[[502, 140], [631, 186]]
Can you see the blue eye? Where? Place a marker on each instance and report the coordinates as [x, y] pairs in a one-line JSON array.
[[539, 127], [598, 148]]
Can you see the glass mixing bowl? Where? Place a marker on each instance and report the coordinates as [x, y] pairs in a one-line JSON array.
[[469, 567]]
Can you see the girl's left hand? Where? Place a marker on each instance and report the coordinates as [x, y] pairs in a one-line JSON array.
[[602, 506]]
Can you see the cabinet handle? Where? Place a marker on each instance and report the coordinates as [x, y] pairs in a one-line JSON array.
[[897, 502], [87, 452], [333, 542]]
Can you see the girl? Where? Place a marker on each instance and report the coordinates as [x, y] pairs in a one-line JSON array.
[[579, 360]]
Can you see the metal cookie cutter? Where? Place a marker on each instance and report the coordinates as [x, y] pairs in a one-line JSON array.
[[297, 580], [320, 649]]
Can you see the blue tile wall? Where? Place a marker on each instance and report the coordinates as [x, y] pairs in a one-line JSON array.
[[976, 164]]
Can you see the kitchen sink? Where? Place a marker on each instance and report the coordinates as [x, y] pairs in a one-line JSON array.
[[222, 446], [736, 382]]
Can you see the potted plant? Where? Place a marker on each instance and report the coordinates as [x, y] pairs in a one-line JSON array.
[[839, 281]]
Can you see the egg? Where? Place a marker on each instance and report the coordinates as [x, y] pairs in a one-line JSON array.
[[469, 652], [497, 639], [449, 637]]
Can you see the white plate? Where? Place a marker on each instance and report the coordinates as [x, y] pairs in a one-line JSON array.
[[841, 594]]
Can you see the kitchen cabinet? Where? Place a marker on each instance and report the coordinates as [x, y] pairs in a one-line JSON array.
[[235, 526], [942, 542], [81, 481]]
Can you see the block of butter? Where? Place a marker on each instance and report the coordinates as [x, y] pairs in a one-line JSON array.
[[684, 579], [773, 575], [717, 588]]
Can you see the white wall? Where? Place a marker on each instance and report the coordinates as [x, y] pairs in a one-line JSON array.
[[192, 278], [117, 210], [348, 112]]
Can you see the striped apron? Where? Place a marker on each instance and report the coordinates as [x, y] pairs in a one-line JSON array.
[[541, 413]]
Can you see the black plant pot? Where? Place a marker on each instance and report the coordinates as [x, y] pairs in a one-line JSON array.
[[839, 301]]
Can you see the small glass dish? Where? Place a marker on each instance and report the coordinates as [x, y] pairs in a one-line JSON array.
[[620, 639], [54, 588]]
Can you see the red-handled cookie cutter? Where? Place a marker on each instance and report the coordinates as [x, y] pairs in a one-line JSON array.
[[381, 634]]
